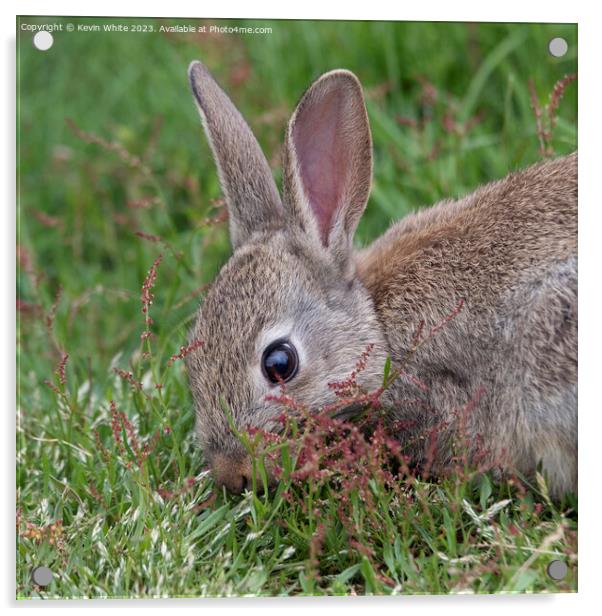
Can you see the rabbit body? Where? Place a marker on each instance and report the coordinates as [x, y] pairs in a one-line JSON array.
[[508, 253], [489, 281]]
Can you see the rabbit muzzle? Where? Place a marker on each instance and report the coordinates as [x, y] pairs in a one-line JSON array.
[[235, 473]]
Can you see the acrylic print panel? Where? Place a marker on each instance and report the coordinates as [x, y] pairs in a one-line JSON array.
[[394, 418]]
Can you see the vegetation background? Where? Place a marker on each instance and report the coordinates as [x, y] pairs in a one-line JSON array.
[[113, 171]]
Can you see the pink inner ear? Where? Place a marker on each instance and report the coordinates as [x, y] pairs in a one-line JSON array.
[[323, 157]]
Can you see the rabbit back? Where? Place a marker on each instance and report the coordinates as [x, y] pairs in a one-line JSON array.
[[505, 259]]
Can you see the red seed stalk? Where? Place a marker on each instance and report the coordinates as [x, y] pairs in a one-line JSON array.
[[147, 295], [185, 350]]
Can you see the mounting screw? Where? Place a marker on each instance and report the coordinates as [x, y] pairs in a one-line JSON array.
[[557, 570], [42, 576]]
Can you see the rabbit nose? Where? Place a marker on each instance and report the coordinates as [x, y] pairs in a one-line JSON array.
[[234, 473]]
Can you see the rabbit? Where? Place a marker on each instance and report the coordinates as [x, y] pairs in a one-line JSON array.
[[297, 304]]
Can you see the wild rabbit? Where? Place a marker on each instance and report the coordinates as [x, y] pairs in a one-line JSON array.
[[297, 303]]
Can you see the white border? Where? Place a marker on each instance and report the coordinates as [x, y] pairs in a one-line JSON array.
[[590, 146]]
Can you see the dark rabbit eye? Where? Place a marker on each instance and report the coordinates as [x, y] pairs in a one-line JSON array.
[[280, 362]]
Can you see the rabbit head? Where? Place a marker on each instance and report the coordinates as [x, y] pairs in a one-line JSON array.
[[287, 306]]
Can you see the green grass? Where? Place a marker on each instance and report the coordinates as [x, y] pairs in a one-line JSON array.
[[82, 266]]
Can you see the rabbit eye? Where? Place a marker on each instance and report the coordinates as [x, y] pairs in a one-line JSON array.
[[280, 362]]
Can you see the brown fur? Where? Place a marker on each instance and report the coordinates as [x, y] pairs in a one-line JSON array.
[[508, 251]]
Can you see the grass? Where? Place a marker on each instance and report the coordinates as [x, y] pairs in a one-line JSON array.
[[113, 172]]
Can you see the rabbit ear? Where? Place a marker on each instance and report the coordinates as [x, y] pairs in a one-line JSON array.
[[328, 161], [249, 188]]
